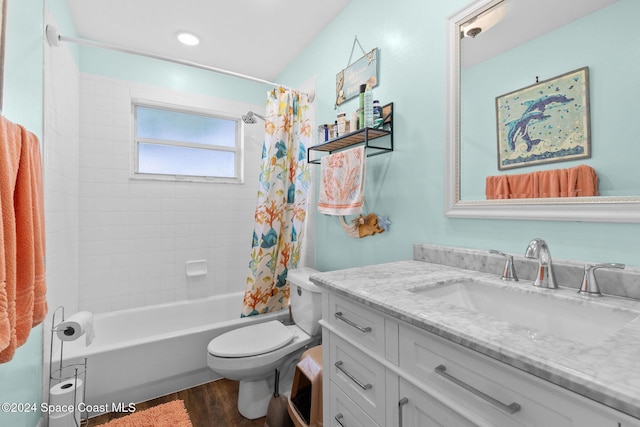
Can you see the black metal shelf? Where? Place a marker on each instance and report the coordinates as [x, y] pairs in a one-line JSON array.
[[360, 136]]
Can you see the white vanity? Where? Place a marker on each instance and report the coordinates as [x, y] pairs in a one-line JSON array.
[[396, 355]]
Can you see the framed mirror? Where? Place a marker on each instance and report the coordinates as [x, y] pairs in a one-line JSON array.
[[496, 47]]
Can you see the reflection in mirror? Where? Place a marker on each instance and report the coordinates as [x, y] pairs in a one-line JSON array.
[[501, 46]]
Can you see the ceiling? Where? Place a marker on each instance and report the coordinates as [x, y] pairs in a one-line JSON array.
[[517, 22], [253, 37]]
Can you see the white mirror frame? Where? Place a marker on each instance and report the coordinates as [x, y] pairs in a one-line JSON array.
[[592, 209]]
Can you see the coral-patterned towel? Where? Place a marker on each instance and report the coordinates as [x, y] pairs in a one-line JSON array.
[[342, 182]]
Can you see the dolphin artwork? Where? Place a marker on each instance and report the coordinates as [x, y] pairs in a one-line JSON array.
[[535, 112]]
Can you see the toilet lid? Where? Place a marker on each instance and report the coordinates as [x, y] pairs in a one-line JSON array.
[[251, 340]]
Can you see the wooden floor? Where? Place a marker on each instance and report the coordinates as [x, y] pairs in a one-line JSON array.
[[210, 405]]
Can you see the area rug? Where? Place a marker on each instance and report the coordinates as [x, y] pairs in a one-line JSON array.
[[170, 414]]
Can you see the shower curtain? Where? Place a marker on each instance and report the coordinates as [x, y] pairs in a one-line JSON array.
[[282, 202]]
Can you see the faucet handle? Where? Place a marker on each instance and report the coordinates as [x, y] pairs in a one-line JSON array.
[[589, 286], [509, 271]]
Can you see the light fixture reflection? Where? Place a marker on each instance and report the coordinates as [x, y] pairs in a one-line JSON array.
[[188, 39], [484, 21]]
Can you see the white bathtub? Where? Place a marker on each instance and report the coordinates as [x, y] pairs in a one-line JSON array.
[[139, 354]]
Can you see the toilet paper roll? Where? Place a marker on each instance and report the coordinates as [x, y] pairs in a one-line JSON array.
[[63, 395], [75, 326], [65, 420]]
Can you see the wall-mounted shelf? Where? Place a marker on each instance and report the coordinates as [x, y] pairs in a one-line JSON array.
[[360, 136]]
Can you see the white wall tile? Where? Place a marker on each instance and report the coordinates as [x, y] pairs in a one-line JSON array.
[[61, 150], [135, 235]]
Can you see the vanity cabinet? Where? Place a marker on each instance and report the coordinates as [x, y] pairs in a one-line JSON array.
[[386, 372]]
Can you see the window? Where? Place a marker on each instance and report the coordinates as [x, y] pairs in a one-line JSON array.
[[184, 144]]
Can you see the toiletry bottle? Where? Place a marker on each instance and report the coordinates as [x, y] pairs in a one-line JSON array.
[[326, 132], [368, 108], [342, 123], [353, 123], [377, 114], [363, 88], [335, 129]]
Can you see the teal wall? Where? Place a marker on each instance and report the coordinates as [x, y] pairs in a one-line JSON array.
[[612, 77], [170, 75], [407, 185], [21, 378]]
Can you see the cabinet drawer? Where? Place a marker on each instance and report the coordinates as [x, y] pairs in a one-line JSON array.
[[418, 409], [358, 376], [473, 380], [363, 325], [345, 413]]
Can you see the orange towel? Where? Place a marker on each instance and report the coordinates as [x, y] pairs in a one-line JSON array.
[[579, 181], [10, 144], [522, 186], [22, 264], [497, 187], [583, 181]]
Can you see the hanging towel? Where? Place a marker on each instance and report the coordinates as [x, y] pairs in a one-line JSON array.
[[579, 181], [497, 187], [10, 147], [523, 186], [22, 298], [583, 181], [342, 177]]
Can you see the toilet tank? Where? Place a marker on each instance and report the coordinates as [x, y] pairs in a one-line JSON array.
[[306, 300]]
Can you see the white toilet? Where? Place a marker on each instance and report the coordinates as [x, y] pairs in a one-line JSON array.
[[251, 354]]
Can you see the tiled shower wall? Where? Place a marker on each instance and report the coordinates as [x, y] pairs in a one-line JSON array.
[[137, 235], [61, 179]]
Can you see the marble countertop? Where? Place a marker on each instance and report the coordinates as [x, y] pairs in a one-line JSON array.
[[607, 372]]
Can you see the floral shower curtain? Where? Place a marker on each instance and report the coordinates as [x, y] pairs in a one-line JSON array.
[[282, 202]]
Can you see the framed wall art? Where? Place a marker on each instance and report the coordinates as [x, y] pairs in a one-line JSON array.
[[364, 70], [545, 122]]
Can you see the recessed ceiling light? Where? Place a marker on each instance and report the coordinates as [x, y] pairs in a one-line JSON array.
[[188, 39]]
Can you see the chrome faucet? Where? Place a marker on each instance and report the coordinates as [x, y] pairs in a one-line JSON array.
[[539, 250], [509, 271], [589, 286]]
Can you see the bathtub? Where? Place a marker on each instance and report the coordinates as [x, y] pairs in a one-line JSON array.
[[142, 353]]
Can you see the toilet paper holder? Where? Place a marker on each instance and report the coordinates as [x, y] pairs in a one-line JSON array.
[[61, 372]]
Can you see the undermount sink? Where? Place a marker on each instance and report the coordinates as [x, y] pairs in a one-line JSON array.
[[585, 323]]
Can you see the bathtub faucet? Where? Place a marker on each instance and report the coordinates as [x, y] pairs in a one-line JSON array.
[[539, 250]]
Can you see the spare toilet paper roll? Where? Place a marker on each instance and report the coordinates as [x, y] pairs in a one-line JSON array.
[[64, 394], [77, 325]]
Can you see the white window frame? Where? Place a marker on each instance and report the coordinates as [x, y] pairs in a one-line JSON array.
[[238, 148]]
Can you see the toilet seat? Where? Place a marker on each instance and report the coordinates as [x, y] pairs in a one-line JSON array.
[[251, 340]]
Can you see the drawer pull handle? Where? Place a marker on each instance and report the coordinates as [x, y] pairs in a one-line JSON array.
[[339, 418], [338, 315], [401, 404], [340, 367], [509, 409]]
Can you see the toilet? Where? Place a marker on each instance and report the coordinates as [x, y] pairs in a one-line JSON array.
[[251, 354]]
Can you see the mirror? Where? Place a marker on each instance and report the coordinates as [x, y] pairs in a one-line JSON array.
[[500, 46]]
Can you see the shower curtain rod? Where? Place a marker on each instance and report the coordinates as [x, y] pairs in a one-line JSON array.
[[54, 38]]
